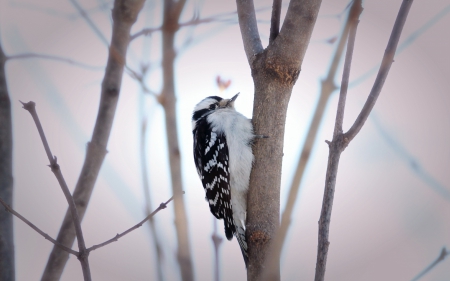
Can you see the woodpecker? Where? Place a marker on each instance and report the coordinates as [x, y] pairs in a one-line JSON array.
[[223, 156]]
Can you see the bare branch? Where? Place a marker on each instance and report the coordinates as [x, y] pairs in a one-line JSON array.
[[7, 264], [118, 236], [275, 20], [336, 147], [249, 29], [217, 240], [386, 63], [89, 21], [340, 141], [410, 160], [45, 235], [167, 99], [124, 15], [327, 89], [31, 108], [444, 253], [192, 22], [148, 203], [294, 36], [55, 58], [145, 32]]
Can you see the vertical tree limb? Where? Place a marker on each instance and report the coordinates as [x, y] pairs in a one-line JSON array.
[[7, 266], [386, 63], [124, 15], [172, 11], [327, 89], [340, 140], [217, 240], [249, 28], [275, 20], [275, 71], [148, 202]]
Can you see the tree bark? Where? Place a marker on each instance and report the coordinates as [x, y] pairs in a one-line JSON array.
[[7, 267], [275, 71], [124, 14]]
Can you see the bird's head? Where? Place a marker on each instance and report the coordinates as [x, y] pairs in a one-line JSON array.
[[211, 104]]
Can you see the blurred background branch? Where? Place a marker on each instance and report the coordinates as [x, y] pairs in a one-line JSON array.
[[124, 15], [444, 253], [7, 266]]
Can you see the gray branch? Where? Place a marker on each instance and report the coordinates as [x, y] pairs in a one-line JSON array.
[[83, 257], [7, 266], [172, 11], [118, 236], [444, 253], [386, 63], [249, 29], [55, 58], [293, 39], [275, 20], [30, 224], [124, 15], [340, 140]]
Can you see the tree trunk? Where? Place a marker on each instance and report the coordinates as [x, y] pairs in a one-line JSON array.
[[6, 179], [275, 71]]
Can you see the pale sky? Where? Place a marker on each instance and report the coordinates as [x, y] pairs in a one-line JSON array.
[[392, 202]]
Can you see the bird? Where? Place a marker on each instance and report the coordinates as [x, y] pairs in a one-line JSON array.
[[223, 157]]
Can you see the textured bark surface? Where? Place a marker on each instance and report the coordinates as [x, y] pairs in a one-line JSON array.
[[275, 71], [6, 179], [124, 14]]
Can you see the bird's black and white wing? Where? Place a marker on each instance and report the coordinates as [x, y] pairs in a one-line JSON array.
[[211, 160]]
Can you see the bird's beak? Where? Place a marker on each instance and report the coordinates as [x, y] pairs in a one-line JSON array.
[[231, 101]]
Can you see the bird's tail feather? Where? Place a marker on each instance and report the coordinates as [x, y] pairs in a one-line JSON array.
[[240, 236]]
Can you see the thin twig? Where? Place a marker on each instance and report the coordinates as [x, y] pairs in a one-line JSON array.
[[148, 203], [410, 160], [275, 20], [83, 257], [55, 58], [90, 22], [340, 140], [118, 236], [192, 22], [444, 253], [45, 235]]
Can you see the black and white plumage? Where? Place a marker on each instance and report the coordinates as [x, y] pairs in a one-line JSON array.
[[223, 157]]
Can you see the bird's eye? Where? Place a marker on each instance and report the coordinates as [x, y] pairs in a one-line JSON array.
[[213, 106]]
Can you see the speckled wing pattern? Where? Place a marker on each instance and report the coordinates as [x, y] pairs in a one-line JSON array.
[[211, 160]]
